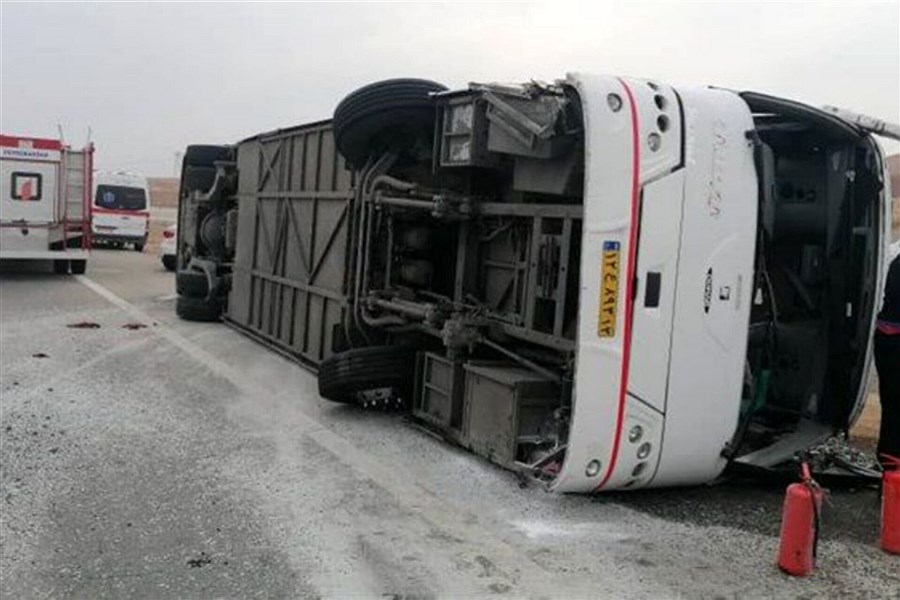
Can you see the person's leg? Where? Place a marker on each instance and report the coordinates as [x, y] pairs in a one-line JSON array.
[[887, 361]]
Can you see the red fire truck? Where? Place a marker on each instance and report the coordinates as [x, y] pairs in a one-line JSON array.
[[45, 202]]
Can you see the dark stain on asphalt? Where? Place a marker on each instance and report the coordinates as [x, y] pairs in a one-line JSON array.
[[40, 355], [133, 326], [84, 325], [200, 561]]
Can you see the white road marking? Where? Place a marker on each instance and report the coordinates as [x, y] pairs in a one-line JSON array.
[[502, 543]]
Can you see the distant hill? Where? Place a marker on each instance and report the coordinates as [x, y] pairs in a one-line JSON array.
[[163, 191]]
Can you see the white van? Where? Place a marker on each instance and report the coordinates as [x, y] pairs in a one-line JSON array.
[[121, 209]]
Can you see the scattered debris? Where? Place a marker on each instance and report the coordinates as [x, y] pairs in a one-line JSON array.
[[40, 355], [836, 451], [133, 326], [202, 560], [84, 325]]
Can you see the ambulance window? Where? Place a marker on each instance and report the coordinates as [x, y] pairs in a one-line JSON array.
[[26, 186], [120, 197]]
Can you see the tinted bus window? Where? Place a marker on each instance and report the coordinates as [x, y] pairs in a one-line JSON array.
[[120, 197]]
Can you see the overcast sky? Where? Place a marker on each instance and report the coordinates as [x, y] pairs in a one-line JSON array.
[[150, 79]]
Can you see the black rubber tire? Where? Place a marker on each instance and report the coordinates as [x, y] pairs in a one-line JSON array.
[[344, 374], [205, 155], [198, 309], [138, 247], [61, 266], [197, 179], [198, 170], [79, 267], [192, 284], [169, 262], [366, 119]]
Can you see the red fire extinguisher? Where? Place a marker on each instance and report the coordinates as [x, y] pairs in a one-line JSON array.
[[800, 522], [890, 505]]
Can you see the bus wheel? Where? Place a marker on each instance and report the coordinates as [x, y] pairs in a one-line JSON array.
[[198, 309], [343, 375], [79, 267], [384, 114], [139, 247]]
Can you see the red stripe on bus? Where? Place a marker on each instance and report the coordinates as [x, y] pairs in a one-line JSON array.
[[629, 283]]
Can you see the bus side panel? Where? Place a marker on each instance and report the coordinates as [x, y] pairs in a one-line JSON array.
[[295, 196]]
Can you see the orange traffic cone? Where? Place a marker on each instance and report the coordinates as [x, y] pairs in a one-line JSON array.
[[800, 522], [890, 505]]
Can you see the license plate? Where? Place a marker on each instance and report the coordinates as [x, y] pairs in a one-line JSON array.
[[609, 290]]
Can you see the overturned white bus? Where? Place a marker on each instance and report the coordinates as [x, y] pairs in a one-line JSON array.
[[603, 282]]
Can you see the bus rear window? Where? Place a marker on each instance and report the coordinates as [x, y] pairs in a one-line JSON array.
[[120, 197]]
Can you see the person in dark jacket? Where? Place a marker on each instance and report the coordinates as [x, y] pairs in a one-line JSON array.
[[887, 361]]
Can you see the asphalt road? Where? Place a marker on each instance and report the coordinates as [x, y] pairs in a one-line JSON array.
[[171, 459]]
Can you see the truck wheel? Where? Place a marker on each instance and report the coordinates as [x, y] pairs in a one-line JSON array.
[[61, 267], [344, 374], [79, 267], [375, 116], [138, 247], [168, 262], [198, 309], [191, 284]]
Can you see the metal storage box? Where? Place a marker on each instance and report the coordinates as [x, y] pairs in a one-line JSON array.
[[439, 399], [503, 404]]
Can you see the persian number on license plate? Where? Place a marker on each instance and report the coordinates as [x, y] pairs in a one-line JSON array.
[[609, 289]]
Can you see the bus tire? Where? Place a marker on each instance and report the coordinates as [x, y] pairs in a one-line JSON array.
[[198, 168], [168, 262], [198, 309], [61, 266], [138, 247], [192, 284], [368, 119], [79, 267], [205, 155], [342, 375]]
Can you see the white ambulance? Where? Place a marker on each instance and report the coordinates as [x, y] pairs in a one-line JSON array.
[[45, 206], [121, 209]]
